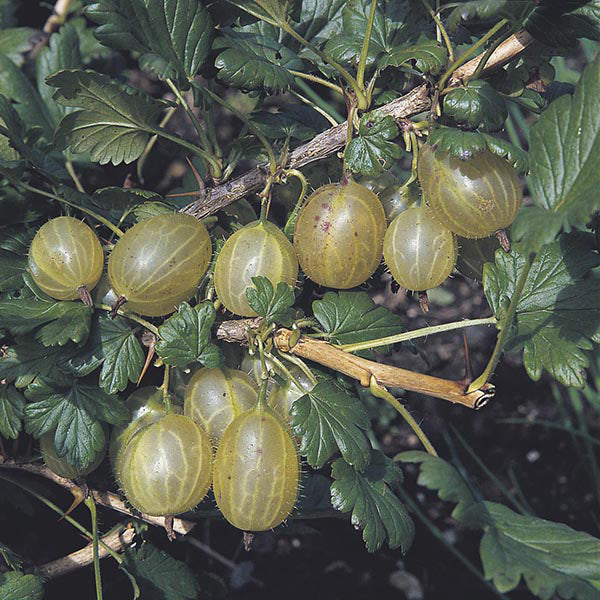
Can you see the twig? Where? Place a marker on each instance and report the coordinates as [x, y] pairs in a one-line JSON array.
[[106, 499], [329, 142], [117, 541]]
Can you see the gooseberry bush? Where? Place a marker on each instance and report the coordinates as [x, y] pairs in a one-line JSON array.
[[210, 338]]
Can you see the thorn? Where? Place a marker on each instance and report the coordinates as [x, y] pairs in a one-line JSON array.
[[248, 539], [116, 306], [80, 493], [148, 340], [424, 302], [199, 179], [84, 296], [171, 535], [468, 378], [503, 239]]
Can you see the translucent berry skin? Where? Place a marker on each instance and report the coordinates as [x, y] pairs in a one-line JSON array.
[[214, 397], [64, 255], [473, 198], [166, 467], [339, 235], [256, 249], [282, 397], [256, 472], [145, 406], [159, 262], [418, 250], [60, 465]]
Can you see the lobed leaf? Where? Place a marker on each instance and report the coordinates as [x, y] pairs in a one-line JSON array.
[[26, 360], [17, 586], [274, 305], [429, 57], [557, 315], [113, 123], [185, 337], [12, 404], [370, 497], [327, 419], [12, 267]]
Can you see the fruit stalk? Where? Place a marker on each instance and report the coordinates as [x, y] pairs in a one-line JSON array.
[[362, 369]]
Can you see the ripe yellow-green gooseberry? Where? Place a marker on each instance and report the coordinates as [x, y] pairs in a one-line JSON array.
[[473, 198], [159, 262], [257, 249], [60, 465], [418, 250], [214, 397], [339, 235], [282, 396], [145, 406], [66, 259], [166, 467], [257, 471]]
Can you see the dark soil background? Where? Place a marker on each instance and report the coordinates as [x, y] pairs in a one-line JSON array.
[[548, 469]]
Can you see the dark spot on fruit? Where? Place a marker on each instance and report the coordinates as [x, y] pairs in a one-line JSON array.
[[259, 451], [325, 226], [317, 218], [325, 205], [356, 234], [229, 477]]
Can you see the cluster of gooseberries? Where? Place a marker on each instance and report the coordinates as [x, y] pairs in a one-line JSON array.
[[228, 433]]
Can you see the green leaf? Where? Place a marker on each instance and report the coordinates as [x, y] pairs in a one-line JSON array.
[[565, 154], [276, 306], [28, 103], [11, 271], [291, 121], [159, 576], [488, 10], [15, 42], [437, 474], [273, 12], [351, 317], [147, 210], [551, 557], [56, 322], [61, 53], [252, 60], [429, 57], [370, 497], [11, 411], [172, 36], [114, 122], [476, 105], [517, 157], [16, 586], [328, 418], [26, 360], [185, 337], [112, 344], [372, 150], [557, 315], [75, 409]]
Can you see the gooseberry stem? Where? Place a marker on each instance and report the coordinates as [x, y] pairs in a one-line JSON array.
[[349, 133], [319, 80], [417, 333], [73, 175], [364, 52], [380, 392], [131, 317], [87, 211], [490, 50], [440, 28], [164, 388], [89, 502], [264, 375], [301, 365], [290, 224], [506, 325], [333, 116], [280, 366], [470, 52], [151, 142]]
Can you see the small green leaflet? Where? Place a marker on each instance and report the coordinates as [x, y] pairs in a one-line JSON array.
[[160, 576], [476, 105], [113, 345], [114, 122], [11, 411], [173, 36], [16, 586], [557, 315], [350, 317], [185, 337], [328, 418], [253, 60], [75, 409], [551, 557], [275, 305], [26, 360], [429, 56], [56, 322], [372, 150], [565, 154], [370, 497]]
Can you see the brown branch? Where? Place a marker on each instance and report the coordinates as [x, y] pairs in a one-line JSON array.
[[362, 369], [117, 541], [106, 499], [327, 143]]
